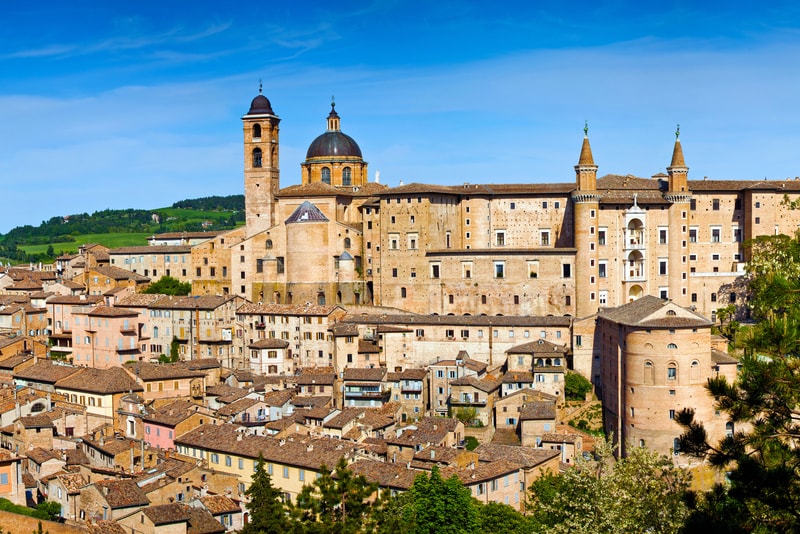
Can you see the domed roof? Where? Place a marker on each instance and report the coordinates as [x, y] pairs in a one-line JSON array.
[[333, 143], [260, 105]]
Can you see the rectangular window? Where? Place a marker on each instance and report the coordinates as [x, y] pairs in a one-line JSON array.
[[602, 269], [716, 234], [544, 238], [500, 238], [499, 269], [662, 236], [601, 236], [566, 270], [715, 204], [662, 267], [435, 270], [466, 269]]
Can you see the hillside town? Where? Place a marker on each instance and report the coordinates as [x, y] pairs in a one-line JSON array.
[[390, 326]]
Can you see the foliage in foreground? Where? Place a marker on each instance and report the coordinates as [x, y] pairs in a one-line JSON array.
[[642, 492], [761, 458]]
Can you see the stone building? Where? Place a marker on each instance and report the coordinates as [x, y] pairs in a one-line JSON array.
[[656, 360], [557, 249]]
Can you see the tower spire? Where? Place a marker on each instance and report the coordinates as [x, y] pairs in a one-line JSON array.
[[677, 152], [586, 150], [259, 86]]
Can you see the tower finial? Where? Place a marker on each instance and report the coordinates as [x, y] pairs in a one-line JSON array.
[[259, 86], [678, 133], [586, 128], [333, 101]]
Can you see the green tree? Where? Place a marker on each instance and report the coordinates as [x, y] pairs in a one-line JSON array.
[[495, 518], [761, 458], [468, 416], [576, 386], [167, 285], [174, 350], [438, 506], [336, 502], [642, 492], [267, 512]]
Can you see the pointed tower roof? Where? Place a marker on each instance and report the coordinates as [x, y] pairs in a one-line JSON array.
[[677, 152], [586, 150]]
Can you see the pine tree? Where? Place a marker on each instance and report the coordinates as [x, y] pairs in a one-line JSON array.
[[268, 514]]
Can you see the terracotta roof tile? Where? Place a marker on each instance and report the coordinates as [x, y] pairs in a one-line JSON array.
[[101, 381]]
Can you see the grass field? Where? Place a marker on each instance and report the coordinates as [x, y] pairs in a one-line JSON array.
[[109, 240]]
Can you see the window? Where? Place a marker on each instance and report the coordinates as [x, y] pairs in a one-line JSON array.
[[347, 176], [466, 270], [603, 297], [601, 236], [499, 269], [662, 267], [257, 157], [716, 234], [715, 204], [403, 293], [256, 131], [602, 269], [672, 371], [544, 238], [326, 175], [435, 268], [279, 265], [566, 270], [285, 472], [500, 238], [662, 236]]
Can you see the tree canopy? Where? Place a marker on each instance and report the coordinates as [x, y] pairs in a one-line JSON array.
[[642, 492], [761, 457], [167, 285]]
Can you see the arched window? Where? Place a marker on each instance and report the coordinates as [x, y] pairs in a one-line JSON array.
[[269, 244], [256, 131], [671, 312], [695, 370], [649, 374], [557, 362], [672, 346], [347, 176], [672, 371], [326, 175], [256, 157], [346, 242], [539, 362], [321, 298]]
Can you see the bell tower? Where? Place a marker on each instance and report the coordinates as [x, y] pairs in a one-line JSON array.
[[679, 198], [586, 204], [261, 168]]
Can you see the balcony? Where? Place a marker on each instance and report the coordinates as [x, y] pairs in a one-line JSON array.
[[368, 392], [634, 240], [467, 400]]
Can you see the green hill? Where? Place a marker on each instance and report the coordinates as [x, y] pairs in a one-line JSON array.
[[115, 228]]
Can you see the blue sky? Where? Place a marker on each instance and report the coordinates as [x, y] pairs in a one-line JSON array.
[[138, 104]]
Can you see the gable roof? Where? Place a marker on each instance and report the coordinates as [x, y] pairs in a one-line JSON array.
[[100, 381]]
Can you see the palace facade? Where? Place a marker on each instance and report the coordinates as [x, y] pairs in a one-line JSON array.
[[568, 248]]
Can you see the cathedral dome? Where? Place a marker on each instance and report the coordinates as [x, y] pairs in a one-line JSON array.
[[333, 144]]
